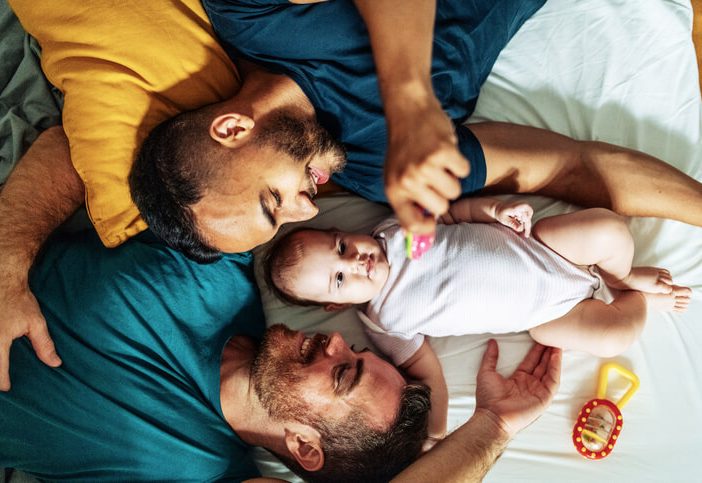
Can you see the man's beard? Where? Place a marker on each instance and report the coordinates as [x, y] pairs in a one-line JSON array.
[[303, 140], [276, 377]]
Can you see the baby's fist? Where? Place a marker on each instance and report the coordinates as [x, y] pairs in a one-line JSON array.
[[516, 215]]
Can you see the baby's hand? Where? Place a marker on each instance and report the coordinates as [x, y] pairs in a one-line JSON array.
[[516, 215]]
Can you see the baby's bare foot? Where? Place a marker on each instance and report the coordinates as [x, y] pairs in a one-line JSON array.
[[675, 301], [646, 279]]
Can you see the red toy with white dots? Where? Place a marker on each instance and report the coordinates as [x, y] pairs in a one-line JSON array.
[[600, 421]]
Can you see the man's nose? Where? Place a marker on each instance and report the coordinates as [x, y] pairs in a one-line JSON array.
[[335, 345], [300, 209]]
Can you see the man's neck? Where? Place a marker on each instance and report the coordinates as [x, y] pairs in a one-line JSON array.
[[240, 405], [263, 93]]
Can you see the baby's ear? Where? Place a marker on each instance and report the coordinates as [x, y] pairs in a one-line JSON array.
[[336, 307]]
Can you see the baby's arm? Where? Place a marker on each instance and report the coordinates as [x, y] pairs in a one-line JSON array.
[[514, 214], [425, 367]]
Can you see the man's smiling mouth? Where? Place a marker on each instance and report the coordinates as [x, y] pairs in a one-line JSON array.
[[310, 346]]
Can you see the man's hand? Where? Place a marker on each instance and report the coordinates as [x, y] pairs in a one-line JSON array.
[[520, 399], [515, 215], [423, 166], [22, 317], [40, 193]]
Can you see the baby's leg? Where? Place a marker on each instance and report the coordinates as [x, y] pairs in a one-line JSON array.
[[606, 330], [596, 327], [600, 237]]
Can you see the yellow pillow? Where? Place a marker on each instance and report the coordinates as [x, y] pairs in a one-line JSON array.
[[123, 67]]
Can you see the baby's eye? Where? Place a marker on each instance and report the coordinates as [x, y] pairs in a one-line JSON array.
[[339, 279], [342, 247]]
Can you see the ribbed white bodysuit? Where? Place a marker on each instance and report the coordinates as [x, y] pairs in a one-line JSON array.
[[477, 278]]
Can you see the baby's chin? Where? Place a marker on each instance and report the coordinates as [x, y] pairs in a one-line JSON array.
[[382, 272]]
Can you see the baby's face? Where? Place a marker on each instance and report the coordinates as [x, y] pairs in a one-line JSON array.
[[341, 268]]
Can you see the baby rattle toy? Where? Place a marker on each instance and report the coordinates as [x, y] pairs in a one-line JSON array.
[[417, 245], [600, 420]]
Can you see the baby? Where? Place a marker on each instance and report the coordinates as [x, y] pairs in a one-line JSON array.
[[480, 277]]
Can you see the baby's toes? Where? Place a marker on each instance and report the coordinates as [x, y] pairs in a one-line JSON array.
[[680, 307], [664, 285], [682, 292], [665, 277]]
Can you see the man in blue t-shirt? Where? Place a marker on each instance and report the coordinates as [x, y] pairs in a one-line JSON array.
[[262, 154], [163, 379]]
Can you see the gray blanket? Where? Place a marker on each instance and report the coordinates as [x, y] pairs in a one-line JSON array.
[[28, 103]]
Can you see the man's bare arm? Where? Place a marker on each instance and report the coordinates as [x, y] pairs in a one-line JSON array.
[[523, 159], [465, 455], [423, 164], [41, 193], [504, 406]]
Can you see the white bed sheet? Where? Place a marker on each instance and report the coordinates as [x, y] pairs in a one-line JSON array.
[[612, 70]]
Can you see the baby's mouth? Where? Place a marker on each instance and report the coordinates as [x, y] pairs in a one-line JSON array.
[[370, 267]]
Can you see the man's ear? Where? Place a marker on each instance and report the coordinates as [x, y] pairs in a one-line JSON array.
[[336, 307], [231, 128], [304, 445]]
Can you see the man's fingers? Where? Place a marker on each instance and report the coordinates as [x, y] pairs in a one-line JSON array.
[[413, 219], [541, 367], [434, 203], [431, 188], [444, 183], [43, 344], [5, 366], [453, 161], [532, 358], [552, 377], [489, 362]]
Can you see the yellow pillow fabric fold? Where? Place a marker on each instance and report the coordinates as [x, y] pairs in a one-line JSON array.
[[123, 66]]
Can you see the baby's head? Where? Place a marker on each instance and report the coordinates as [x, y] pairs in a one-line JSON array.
[[329, 268]]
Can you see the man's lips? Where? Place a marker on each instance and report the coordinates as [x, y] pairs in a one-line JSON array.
[[319, 176]]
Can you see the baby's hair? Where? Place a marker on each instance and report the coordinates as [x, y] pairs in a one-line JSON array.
[[282, 256]]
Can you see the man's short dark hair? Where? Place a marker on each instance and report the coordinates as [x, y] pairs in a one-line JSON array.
[[170, 175], [354, 452]]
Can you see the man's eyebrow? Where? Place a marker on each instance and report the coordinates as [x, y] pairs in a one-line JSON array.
[[266, 210]]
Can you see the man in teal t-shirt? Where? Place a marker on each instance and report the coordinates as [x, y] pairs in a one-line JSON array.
[[162, 378]]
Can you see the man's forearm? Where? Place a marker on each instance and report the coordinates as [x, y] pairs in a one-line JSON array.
[[401, 35], [41, 192], [465, 455]]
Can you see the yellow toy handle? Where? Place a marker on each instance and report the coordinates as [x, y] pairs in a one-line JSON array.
[[626, 373]]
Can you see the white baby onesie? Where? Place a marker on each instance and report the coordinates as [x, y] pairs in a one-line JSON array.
[[477, 278]]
